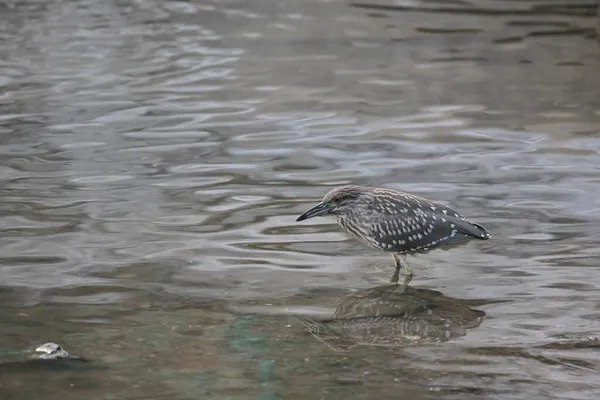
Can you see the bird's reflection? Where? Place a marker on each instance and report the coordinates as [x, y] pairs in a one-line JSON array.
[[389, 316]]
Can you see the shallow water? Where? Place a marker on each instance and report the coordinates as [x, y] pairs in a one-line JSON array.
[[155, 154]]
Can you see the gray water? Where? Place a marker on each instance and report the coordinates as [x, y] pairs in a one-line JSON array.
[[155, 154]]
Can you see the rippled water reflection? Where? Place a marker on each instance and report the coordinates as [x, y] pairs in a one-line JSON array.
[[154, 156]]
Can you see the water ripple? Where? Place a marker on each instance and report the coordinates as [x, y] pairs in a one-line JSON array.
[[154, 149]]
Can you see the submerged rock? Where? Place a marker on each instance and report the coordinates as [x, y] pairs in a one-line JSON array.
[[52, 351]]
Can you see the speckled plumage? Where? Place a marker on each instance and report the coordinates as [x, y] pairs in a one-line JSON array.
[[403, 223], [396, 221]]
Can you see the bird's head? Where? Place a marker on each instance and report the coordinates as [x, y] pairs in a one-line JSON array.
[[338, 201]]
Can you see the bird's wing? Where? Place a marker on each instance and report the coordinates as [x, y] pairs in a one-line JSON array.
[[415, 224]]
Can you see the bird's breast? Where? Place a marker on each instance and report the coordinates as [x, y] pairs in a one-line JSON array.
[[359, 230]]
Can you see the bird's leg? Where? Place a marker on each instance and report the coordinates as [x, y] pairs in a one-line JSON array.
[[408, 272], [396, 275]]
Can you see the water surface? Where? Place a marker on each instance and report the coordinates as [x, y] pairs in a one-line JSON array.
[[155, 154]]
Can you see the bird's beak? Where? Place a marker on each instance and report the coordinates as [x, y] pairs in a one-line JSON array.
[[319, 209]]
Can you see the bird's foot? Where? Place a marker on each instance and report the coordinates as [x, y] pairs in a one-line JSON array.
[[397, 289], [408, 277], [408, 271]]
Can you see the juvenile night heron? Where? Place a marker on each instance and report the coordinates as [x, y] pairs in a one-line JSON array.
[[396, 222]]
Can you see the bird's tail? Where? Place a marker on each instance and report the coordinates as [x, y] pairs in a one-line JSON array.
[[482, 233]]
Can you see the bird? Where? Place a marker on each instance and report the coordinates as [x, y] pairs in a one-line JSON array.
[[397, 222]]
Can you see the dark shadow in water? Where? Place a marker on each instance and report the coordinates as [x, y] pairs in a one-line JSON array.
[[388, 316], [38, 365], [572, 8], [546, 28]]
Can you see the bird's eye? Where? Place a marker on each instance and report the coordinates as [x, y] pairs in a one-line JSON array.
[[337, 200]]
